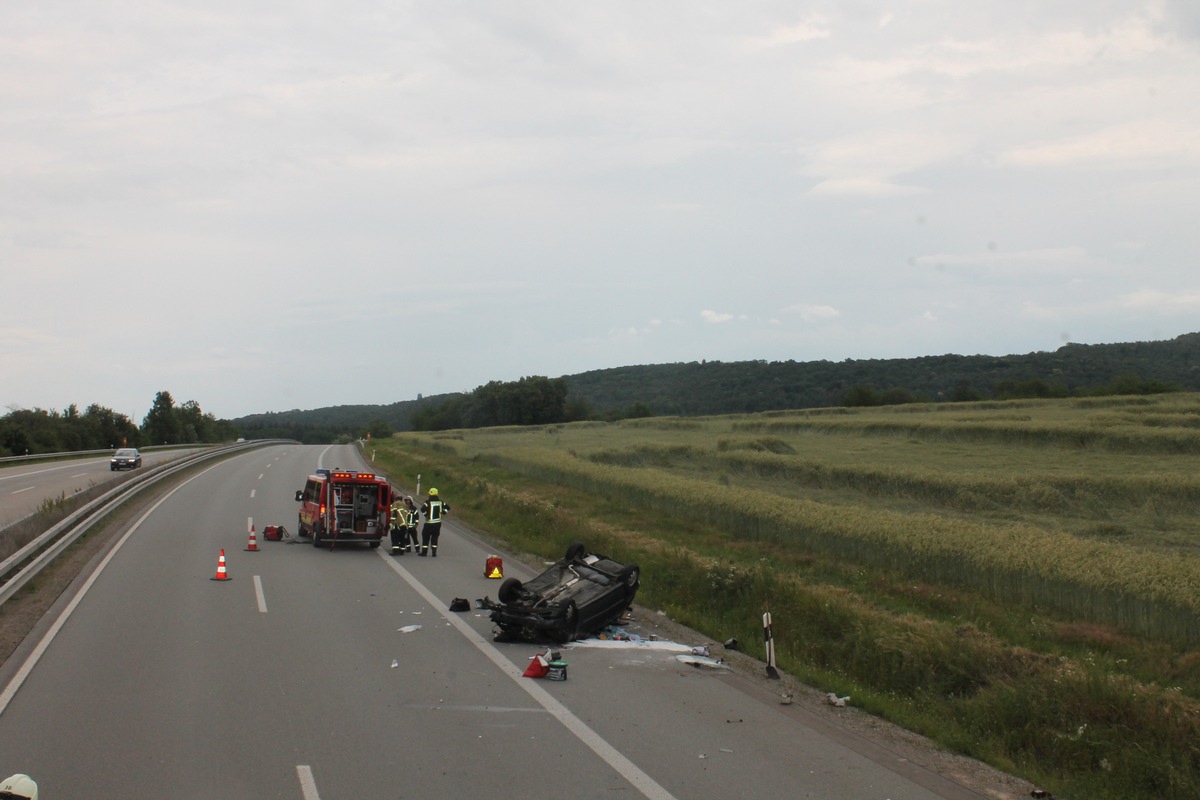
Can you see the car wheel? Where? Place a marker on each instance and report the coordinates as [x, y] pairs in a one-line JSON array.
[[510, 590], [317, 535], [575, 550], [570, 622], [631, 576]]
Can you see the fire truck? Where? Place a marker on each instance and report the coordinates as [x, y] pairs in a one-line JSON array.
[[341, 505]]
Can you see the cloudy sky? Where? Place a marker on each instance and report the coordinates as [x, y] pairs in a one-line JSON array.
[[275, 205]]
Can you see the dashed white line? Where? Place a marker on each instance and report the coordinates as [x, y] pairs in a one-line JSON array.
[[260, 476], [26, 489], [308, 786], [258, 592], [252, 491]]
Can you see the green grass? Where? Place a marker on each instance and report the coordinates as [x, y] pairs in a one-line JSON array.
[[1019, 581]]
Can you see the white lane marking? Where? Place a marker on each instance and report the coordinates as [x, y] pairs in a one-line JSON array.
[[23, 673], [260, 476], [607, 753], [308, 786], [258, 592], [16, 475], [252, 491], [26, 489], [80, 475]]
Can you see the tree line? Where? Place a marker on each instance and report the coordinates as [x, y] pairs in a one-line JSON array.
[[38, 430]]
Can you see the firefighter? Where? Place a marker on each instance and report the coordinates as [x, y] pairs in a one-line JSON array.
[[409, 537], [433, 510], [398, 522]]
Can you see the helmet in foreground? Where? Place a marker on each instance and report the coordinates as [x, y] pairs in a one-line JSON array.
[[433, 492], [18, 786]]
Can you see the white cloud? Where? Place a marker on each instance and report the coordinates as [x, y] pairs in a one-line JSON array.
[[715, 317], [814, 313]]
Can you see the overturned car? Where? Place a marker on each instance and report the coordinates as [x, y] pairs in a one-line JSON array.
[[577, 595]]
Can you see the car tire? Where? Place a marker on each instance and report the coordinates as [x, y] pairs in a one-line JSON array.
[[317, 535], [631, 577], [570, 623], [510, 590], [575, 550]]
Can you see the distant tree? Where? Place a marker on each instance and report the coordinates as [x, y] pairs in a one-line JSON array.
[[161, 425], [1131, 383], [898, 396], [379, 429], [861, 395], [964, 392], [1034, 387]]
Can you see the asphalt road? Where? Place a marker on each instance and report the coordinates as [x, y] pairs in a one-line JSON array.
[[302, 677], [24, 488]]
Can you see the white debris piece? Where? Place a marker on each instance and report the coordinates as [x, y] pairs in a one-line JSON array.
[[834, 700]]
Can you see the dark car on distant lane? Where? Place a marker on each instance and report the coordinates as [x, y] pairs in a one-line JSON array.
[[125, 458], [579, 594]]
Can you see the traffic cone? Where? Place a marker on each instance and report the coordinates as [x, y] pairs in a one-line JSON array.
[[252, 546], [222, 575]]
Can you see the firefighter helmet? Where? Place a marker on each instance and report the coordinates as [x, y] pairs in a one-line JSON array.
[[19, 785], [433, 492]]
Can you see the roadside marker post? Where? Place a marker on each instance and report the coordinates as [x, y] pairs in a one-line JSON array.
[[772, 672]]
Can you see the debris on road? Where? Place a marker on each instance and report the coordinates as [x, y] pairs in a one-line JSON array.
[[702, 661], [834, 700], [408, 629]]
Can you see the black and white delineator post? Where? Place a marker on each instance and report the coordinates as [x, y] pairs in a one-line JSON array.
[[771, 671]]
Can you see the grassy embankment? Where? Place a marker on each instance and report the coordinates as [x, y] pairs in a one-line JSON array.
[[1019, 581]]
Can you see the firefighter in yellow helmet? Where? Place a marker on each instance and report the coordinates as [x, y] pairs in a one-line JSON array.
[[433, 509]]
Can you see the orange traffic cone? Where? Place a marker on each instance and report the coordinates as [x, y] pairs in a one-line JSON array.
[[253, 544], [222, 575]]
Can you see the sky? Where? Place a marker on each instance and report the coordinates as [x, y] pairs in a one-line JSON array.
[[290, 205]]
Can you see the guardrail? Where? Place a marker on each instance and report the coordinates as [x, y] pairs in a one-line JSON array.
[[105, 451], [25, 564]]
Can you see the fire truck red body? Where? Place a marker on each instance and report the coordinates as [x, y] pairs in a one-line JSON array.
[[340, 505]]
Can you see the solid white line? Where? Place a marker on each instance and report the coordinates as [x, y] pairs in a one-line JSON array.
[[26, 489], [80, 475], [258, 592], [609, 754], [308, 786], [23, 673]]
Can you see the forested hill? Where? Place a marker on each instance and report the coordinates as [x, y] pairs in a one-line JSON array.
[[715, 387]]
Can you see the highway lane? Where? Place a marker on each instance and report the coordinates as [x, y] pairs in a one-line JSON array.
[[279, 682], [24, 487]]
